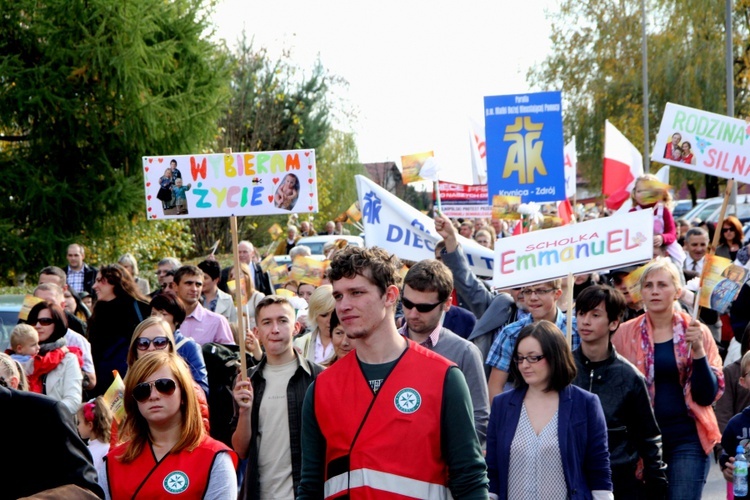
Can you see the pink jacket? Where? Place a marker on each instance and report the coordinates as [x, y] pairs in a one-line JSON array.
[[628, 342]]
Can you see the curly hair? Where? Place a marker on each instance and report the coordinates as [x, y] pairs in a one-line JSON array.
[[375, 264]]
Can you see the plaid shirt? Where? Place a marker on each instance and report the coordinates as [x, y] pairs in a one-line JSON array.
[[431, 341], [501, 352], [75, 279]]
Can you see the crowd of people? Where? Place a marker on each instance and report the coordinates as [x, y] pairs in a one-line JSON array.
[[382, 382]]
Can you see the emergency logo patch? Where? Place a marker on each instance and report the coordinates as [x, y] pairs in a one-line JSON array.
[[176, 482], [407, 400]]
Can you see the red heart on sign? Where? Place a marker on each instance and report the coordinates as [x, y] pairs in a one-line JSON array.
[[310, 207], [309, 167], [270, 198], [150, 160], [275, 180], [307, 153], [310, 181], [153, 217], [160, 160], [148, 184], [311, 195], [146, 169], [149, 209], [149, 197]]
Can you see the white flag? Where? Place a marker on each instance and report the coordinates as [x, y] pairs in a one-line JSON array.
[[571, 162], [478, 153], [401, 229]]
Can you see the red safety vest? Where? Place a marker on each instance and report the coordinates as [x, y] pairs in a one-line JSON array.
[[397, 451], [185, 474]]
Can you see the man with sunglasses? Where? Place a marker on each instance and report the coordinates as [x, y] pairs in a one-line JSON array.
[[541, 301], [426, 299], [392, 416]]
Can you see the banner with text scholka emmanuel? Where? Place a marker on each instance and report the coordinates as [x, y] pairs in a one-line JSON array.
[[606, 243]]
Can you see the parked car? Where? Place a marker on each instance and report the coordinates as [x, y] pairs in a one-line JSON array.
[[10, 306], [742, 212], [681, 207], [701, 211], [317, 243]]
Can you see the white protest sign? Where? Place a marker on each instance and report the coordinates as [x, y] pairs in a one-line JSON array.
[[709, 143], [223, 185], [605, 243], [397, 227], [571, 162]]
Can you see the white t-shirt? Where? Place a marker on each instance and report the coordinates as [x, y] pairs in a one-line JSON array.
[[274, 445]]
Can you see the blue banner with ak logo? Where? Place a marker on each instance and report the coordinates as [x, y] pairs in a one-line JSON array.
[[525, 146]]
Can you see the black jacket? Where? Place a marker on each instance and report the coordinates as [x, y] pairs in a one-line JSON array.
[[89, 278], [631, 426], [52, 455], [295, 394]]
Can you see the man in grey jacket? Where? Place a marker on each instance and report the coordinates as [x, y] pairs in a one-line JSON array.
[[425, 298], [493, 311]]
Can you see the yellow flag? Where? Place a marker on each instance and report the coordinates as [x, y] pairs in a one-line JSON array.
[[114, 397], [307, 270]]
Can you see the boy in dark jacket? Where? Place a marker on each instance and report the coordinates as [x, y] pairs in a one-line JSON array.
[[633, 433]]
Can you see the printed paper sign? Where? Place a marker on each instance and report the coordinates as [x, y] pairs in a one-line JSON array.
[[399, 228], [506, 207], [467, 211], [704, 142], [525, 146], [571, 166], [307, 270], [721, 282], [222, 185], [463, 200], [633, 283], [606, 243], [114, 397], [412, 164]]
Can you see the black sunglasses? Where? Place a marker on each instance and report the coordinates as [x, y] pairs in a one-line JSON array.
[[142, 391], [423, 308], [142, 343], [45, 321]]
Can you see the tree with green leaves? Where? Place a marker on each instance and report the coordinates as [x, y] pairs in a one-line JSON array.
[[86, 89], [596, 62]]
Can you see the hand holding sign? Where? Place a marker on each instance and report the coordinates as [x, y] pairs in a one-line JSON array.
[[694, 337], [444, 228]]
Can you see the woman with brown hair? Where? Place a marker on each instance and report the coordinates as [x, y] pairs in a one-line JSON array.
[[119, 308], [547, 424], [731, 237], [165, 446]]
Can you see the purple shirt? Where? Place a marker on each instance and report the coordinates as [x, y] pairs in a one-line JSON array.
[[205, 326]]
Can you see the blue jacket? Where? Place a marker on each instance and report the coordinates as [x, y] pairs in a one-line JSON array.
[[582, 436], [191, 352]]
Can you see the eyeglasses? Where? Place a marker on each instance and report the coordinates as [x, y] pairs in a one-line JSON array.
[[530, 359], [423, 308], [165, 386], [538, 292], [142, 343], [45, 321]]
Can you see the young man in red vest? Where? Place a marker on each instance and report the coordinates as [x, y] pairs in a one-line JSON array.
[[393, 419]]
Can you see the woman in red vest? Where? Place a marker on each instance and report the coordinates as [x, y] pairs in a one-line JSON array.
[[166, 450]]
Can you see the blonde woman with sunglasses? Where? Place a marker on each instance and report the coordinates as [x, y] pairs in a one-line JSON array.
[[166, 450]]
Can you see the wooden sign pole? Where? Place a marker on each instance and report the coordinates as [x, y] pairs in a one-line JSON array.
[[238, 290]]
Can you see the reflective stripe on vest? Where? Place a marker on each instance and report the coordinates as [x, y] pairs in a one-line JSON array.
[[384, 481]]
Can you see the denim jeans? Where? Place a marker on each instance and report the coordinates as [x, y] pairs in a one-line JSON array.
[[687, 470]]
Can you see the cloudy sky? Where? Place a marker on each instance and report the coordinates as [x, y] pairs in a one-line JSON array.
[[417, 70]]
